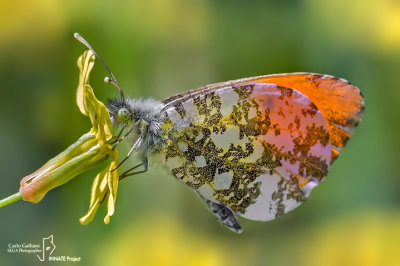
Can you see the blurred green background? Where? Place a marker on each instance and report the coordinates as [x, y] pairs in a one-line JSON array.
[[159, 48]]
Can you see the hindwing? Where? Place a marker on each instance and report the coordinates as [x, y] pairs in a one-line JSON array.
[[259, 148]]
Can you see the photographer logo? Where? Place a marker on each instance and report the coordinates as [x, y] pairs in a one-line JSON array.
[[43, 251]]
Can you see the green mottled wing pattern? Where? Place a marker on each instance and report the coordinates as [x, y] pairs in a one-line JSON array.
[[258, 148]]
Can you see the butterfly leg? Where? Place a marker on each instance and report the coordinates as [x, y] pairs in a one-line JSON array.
[[224, 214], [119, 135], [133, 148], [129, 172], [124, 136], [121, 139]]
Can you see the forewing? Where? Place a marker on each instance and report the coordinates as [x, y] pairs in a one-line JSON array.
[[340, 102], [258, 148]]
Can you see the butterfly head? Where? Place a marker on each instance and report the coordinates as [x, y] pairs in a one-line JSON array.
[[120, 112], [123, 114]]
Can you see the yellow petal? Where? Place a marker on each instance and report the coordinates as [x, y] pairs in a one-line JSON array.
[[88, 103], [99, 191], [98, 114], [85, 65], [113, 179], [105, 183]]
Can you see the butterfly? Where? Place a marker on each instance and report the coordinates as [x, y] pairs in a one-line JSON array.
[[252, 147]]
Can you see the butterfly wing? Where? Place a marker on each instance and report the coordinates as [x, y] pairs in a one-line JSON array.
[[258, 148], [340, 102]]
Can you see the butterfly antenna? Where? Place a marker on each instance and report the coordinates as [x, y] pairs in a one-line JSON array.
[[112, 80]]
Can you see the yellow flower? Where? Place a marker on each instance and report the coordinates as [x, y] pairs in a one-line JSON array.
[[89, 150]]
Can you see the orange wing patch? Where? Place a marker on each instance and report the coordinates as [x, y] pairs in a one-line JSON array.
[[340, 102]]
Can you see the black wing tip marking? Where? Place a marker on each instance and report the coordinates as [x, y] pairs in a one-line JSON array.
[[224, 214]]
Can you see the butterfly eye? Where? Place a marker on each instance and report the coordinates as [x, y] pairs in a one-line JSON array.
[[123, 114]]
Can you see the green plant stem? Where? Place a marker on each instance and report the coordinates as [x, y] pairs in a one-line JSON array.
[[15, 197]]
